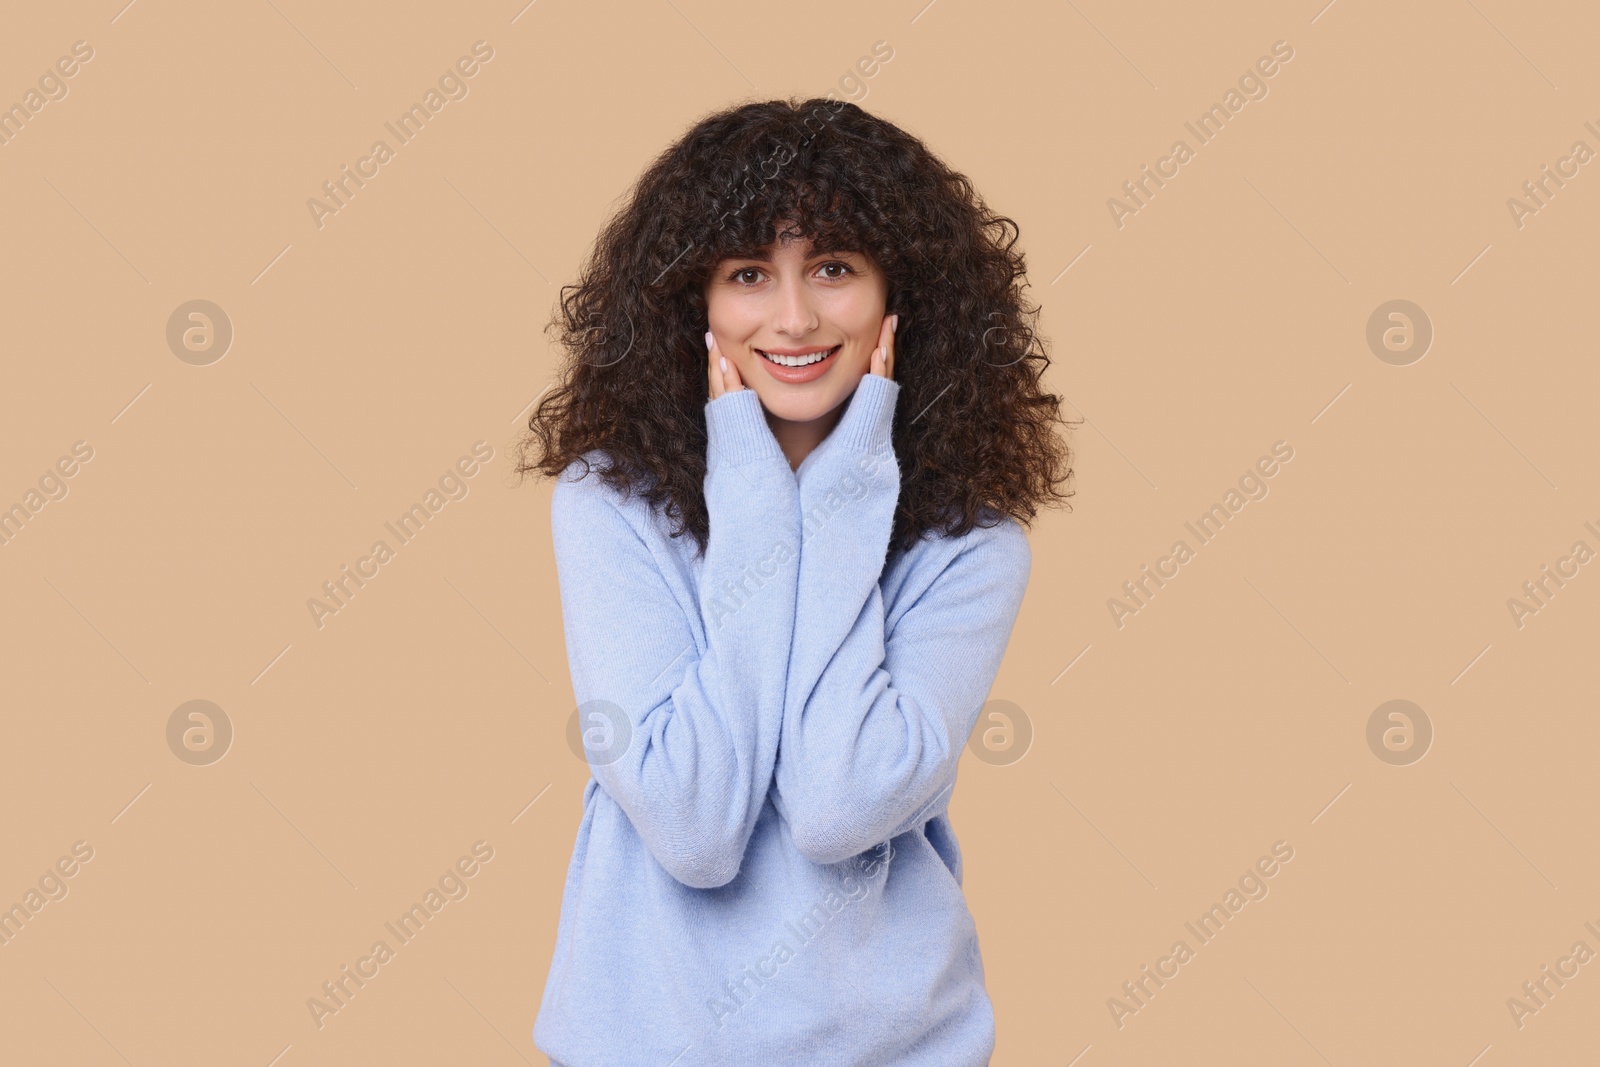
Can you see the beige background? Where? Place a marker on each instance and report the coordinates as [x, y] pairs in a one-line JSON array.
[[1229, 313]]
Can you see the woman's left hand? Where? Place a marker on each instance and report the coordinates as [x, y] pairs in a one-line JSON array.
[[882, 362]]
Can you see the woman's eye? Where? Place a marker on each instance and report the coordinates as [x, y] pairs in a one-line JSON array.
[[833, 271]]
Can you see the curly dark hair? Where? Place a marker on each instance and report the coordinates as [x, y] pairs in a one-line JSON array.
[[973, 432]]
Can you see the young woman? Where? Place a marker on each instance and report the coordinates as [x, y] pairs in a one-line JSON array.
[[795, 442]]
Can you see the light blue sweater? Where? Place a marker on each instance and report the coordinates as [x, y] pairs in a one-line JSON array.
[[765, 872]]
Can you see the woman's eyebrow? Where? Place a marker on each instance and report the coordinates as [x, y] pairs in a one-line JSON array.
[[763, 255]]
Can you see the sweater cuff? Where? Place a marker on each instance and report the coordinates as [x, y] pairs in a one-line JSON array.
[[868, 422], [737, 431]]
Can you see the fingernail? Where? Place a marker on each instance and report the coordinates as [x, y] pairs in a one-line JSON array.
[[724, 361], [708, 340], [894, 323]]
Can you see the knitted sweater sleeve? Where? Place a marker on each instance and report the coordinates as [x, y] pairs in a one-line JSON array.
[[684, 737], [875, 721]]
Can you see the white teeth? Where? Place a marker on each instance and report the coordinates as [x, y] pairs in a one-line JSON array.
[[795, 361]]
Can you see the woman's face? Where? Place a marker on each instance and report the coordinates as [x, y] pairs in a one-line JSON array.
[[792, 301]]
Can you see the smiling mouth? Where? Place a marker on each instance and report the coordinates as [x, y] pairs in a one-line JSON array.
[[800, 361]]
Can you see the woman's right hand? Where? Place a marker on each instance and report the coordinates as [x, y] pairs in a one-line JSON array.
[[722, 376]]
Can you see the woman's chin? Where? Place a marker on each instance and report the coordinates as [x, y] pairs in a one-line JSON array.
[[792, 404]]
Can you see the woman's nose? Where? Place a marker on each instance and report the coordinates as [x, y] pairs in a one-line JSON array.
[[796, 316]]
